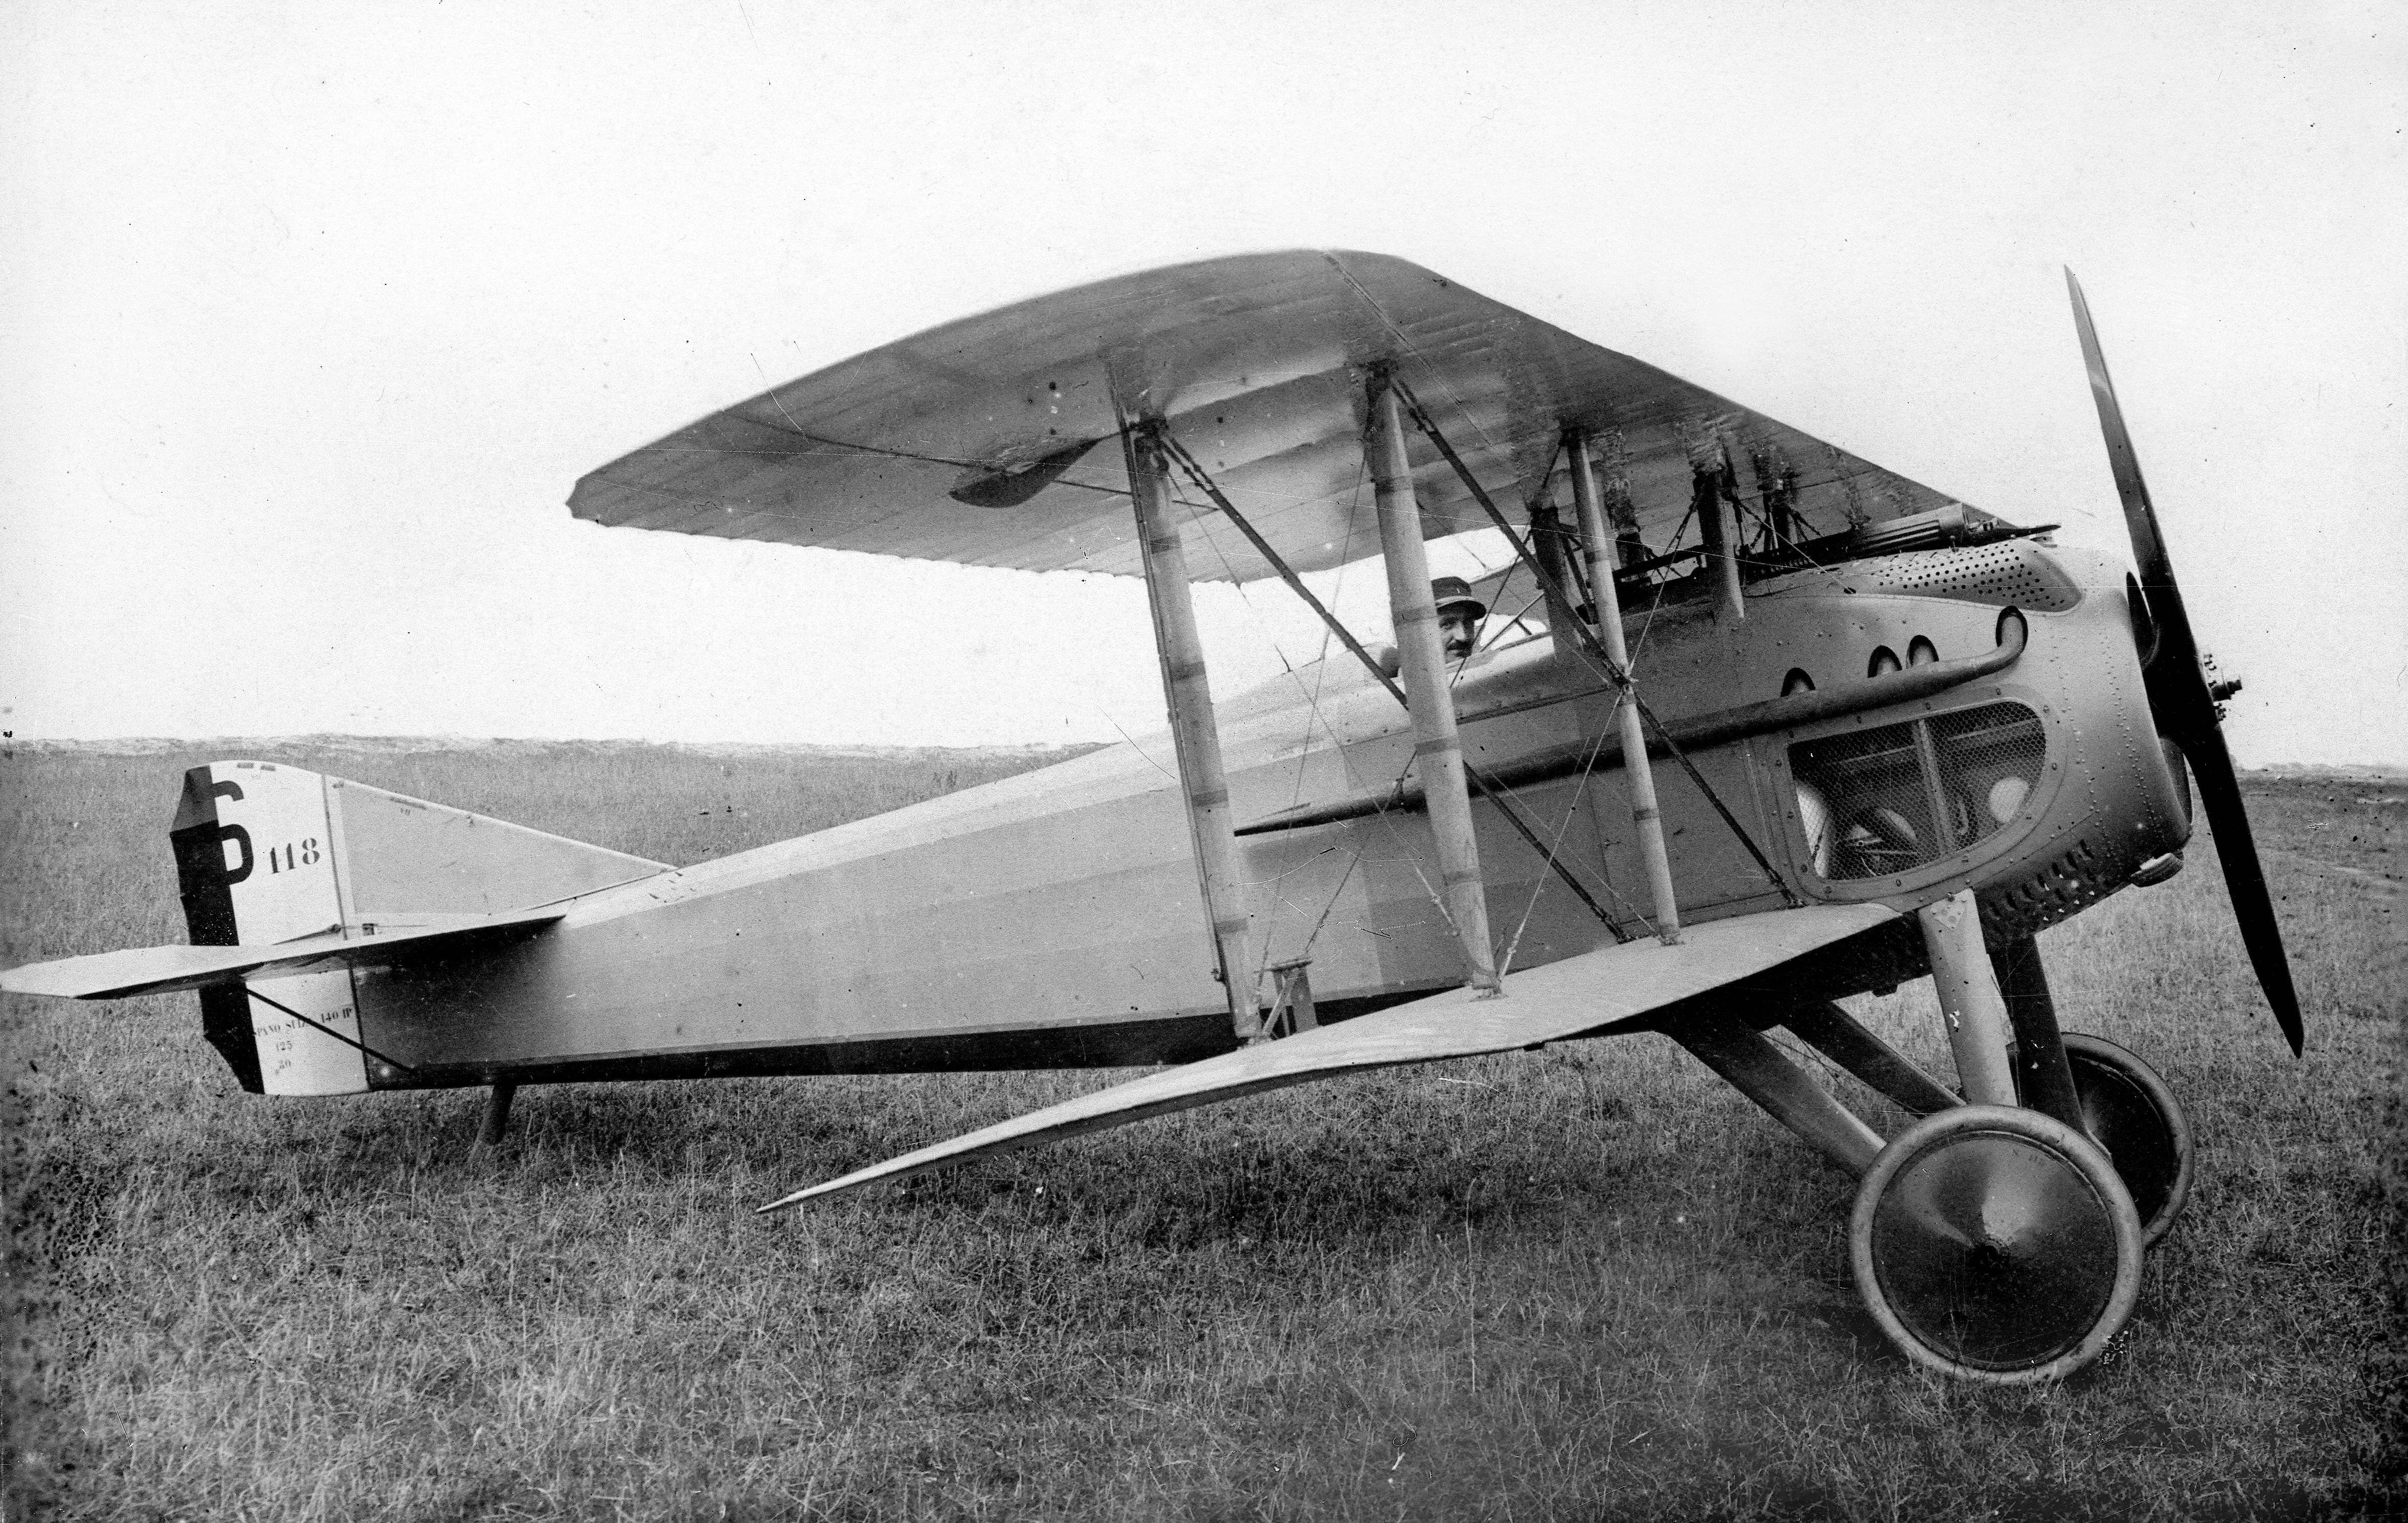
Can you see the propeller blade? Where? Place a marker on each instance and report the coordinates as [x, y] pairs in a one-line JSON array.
[[2179, 696], [2219, 797], [2140, 515]]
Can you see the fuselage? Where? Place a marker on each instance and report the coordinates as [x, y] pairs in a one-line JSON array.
[[1055, 918]]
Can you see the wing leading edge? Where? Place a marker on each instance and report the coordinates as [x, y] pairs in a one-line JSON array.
[[1546, 1004]]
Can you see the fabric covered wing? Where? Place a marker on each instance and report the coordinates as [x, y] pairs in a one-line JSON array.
[[1545, 1004], [977, 441], [166, 969]]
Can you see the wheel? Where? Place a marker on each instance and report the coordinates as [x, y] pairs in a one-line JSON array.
[[2135, 1118], [1994, 1244]]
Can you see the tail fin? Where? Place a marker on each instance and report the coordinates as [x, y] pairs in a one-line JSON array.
[[266, 853]]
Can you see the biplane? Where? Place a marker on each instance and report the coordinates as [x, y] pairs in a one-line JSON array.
[[1755, 725]]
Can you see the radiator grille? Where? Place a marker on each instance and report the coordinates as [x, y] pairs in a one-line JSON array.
[[1883, 801]]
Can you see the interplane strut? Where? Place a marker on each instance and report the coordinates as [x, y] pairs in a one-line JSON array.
[[1590, 647], [1644, 815], [1438, 750], [1202, 778], [1489, 787]]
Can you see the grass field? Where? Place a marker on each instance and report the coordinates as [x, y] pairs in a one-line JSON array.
[[1588, 1283]]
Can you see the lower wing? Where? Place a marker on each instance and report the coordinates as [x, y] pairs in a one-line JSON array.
[[1546, 1004]]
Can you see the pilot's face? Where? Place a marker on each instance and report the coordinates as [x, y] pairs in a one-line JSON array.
[[1458, 627]]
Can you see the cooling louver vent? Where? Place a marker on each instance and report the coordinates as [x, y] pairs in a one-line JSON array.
[[2004, 574], [2078, 878]]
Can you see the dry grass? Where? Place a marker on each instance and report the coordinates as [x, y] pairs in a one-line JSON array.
[[1584, 1282]]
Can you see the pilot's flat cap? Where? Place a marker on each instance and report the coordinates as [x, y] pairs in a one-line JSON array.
[[1447, 591]]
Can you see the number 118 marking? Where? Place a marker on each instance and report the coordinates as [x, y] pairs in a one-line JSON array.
[[281, 858]]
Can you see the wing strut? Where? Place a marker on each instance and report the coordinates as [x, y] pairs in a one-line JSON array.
[[1643, 812], [1724, 534], [1490, 789], [1194, 735], [1593, 652], [1438, 753]]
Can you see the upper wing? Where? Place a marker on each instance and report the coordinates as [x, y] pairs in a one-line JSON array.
[[1545, 1004], [165, 970], [971, 442]]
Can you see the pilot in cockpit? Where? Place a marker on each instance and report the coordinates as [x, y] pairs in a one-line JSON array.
[[1459, 615]]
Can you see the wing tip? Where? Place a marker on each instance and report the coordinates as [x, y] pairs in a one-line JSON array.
[[75, 978], [809, 1192], [845, 1184]]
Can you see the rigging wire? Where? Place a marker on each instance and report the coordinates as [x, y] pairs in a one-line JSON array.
[[274, 1004], [1591, 648], [1353, 501], [1571, 811], [1521, 550], [1177, 452], [1494, 792]]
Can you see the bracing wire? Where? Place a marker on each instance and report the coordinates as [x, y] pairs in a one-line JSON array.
[[273, 1004], [1571, 812], [1495, 793], [1596, 655]]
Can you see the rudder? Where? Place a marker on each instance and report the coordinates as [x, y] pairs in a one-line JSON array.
[[254, 862]]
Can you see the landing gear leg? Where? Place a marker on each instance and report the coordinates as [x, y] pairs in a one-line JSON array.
[[2097, 1087], [1751, 1063], [2044, 1078], [1971, 1001], [1838, 1036], [497, 1115], [1990, 1241]]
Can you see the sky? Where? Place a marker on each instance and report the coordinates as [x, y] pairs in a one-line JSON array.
[[310, 316]]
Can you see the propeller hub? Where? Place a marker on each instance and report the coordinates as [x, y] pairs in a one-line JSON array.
[[2220, 685]]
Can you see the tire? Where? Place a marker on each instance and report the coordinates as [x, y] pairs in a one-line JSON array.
[[1996, 1245], [2131, 1113]]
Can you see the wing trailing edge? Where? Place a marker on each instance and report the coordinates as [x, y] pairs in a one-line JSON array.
[[1562, 999], [167, 970]]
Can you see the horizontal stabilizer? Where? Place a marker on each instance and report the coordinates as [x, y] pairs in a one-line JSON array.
[[1545, 1004], [165, 970]]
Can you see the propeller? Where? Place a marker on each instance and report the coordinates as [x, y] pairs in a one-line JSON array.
[[2182, 695]]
